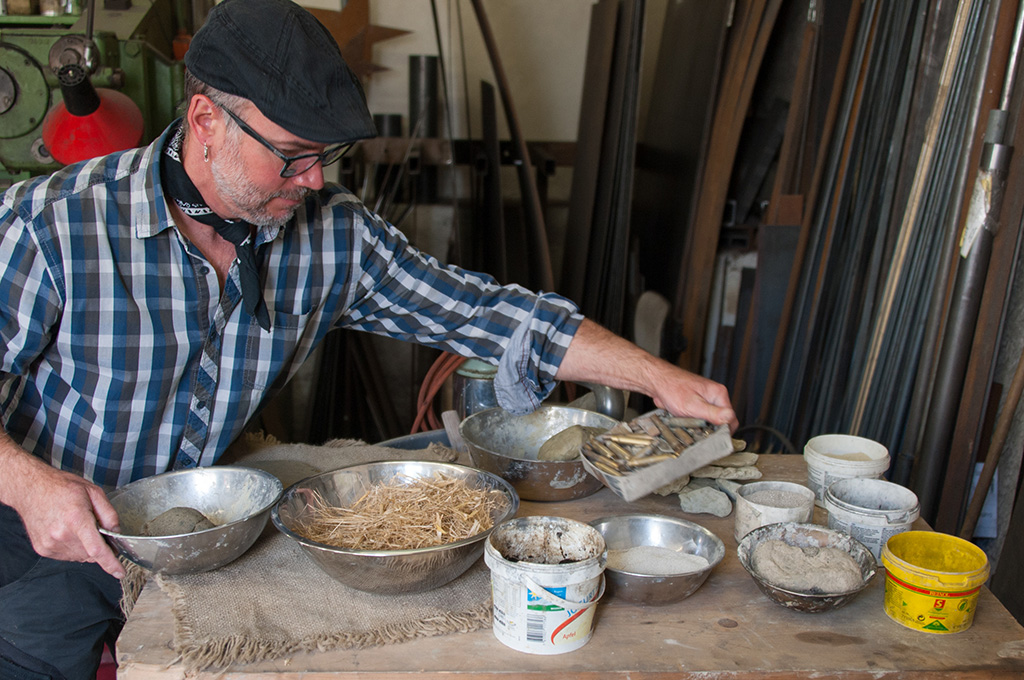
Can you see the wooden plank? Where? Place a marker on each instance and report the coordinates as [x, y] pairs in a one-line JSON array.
[[782, 334], [692, 295], [674, 142], [590, 132], [787, 170], [726, 630]]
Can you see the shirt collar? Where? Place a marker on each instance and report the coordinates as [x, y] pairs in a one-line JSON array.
[[151, 214]]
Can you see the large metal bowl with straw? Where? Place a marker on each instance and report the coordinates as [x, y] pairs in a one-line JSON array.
[[387, 571]]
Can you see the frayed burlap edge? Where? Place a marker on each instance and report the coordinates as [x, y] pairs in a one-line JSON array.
[[132, 582], [222, 654]]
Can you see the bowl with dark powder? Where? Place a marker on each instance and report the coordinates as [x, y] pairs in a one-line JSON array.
[[655, 559], [191, 521], [806, 567]]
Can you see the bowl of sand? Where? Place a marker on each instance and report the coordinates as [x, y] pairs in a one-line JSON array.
[[806, 567]]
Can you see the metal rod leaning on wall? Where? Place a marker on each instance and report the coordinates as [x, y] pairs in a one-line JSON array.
[[893, 280], [994, 53], [995, 450], [544, 276], [976, 250]]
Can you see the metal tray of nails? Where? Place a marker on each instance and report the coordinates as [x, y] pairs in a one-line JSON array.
[[652, 450]]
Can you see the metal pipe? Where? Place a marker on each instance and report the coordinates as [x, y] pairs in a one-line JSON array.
[[976, 250], [610, 401], [423, 113]]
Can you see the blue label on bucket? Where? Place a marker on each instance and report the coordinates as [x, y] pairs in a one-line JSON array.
[[538, 603]]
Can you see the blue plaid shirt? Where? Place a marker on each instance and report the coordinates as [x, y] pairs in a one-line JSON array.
[[105, 309]]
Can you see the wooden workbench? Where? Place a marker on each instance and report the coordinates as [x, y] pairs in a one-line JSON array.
[[727, 629]]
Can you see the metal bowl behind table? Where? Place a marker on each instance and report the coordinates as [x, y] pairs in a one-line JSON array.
[[806, 536], [622, 532], [236, 499], [507, 445], [386, 571]]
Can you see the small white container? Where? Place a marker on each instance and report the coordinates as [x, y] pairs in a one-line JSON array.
[[750, 514], [871, 510], [831, 457]]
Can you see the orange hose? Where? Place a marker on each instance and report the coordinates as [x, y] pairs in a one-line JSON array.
[[439, 372]]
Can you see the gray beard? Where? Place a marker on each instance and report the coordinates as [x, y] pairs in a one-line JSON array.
[[228, 172]]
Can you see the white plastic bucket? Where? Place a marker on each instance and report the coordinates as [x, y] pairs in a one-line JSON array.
[[871, 510], [795, 504], [831, 457], [547, 574]]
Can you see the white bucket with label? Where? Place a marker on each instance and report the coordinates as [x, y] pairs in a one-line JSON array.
[[831, 457], [871, 510], [547, 574]]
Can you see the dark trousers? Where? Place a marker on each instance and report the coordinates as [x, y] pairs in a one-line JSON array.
[[54, 616]]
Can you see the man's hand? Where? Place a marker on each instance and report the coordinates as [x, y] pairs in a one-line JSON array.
[[597, 355], [60, 510], [689, 394]]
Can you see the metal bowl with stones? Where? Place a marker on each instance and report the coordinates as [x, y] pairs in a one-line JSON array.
[[808, 536], [387, 571], [655, 559], [236, 500], [508, 445]]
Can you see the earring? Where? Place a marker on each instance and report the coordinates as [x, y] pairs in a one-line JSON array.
[[206, 154]]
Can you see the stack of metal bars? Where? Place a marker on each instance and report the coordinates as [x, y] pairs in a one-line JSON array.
[[811, 339], [849, 345]]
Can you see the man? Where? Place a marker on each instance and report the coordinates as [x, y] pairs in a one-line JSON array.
[[153, 299]]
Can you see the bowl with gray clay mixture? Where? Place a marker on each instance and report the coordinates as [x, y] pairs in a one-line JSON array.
[[195, 520], [655, 559], [539, 453], [806, 567]]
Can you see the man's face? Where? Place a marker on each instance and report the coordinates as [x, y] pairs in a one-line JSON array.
[[247, 174]]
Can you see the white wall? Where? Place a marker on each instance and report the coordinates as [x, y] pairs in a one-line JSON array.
[[542, 45]]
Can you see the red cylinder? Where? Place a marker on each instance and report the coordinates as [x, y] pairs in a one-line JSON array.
[[115, 125]]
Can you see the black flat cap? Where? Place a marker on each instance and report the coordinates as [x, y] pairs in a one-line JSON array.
[[277, 55]]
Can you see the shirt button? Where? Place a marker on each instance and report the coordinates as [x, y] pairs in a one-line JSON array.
[[200, 404], [204, 270]]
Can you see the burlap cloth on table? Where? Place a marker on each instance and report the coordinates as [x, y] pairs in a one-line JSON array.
[[275, 601]]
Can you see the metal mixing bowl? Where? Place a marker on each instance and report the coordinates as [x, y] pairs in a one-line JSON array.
[[507, 445], [806, 536], [386, 571], [622, 532], [236, 499]]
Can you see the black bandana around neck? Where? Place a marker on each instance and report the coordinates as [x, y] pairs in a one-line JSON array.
[[184, 193]]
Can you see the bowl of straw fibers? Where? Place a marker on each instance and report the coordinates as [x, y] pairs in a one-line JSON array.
[[395, 527]]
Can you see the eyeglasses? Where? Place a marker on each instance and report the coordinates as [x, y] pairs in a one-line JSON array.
[[294, 165]]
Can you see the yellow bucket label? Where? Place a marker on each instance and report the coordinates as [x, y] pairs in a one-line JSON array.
[[928, 610]]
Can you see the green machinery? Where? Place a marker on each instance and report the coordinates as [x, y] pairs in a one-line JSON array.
[[127, 46]]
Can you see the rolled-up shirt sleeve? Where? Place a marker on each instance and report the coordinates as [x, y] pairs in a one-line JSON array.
[[401, 292], [526, 370]]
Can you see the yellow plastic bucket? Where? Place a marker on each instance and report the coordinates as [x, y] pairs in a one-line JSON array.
[[932, 580]]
